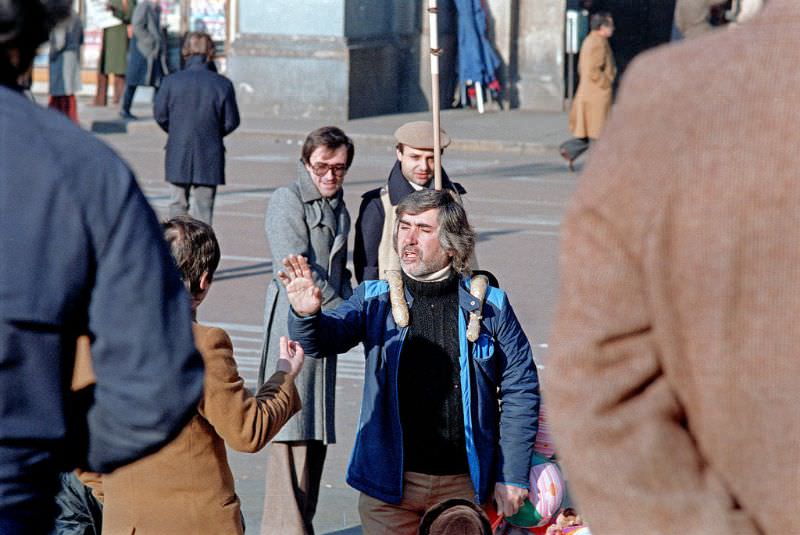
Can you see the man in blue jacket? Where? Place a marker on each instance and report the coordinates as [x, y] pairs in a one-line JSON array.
[[81, 252], [441, 417], [197, 108]]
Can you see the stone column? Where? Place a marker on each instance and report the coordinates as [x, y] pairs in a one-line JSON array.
[[332, 59], [540, 49]]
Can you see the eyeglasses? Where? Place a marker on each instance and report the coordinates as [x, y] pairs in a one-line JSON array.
[[321, 169]]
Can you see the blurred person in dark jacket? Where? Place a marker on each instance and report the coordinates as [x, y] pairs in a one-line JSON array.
[[81, 252], [145, 53], [197, 108]]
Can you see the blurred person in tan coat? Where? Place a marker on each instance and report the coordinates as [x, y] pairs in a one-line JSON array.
[[674, 370], [187, 487], [592, 104]]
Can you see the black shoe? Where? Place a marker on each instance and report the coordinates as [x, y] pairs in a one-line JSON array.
[[128, 116], [570, 161]]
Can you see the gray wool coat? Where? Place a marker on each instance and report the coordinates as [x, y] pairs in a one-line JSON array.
[[296, 223]]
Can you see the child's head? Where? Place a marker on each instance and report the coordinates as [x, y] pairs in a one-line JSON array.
[[196, 252]]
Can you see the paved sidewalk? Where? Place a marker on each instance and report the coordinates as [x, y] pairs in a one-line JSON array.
[[512, 132]]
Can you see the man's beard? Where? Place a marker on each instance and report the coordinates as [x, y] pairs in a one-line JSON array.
[[422, 266]]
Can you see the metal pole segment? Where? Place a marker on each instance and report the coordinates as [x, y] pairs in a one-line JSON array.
[[433, 13]]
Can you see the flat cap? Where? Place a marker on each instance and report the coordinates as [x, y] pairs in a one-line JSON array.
[[419, 135]]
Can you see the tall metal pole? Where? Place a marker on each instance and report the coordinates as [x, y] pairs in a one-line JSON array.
[[433, 22]]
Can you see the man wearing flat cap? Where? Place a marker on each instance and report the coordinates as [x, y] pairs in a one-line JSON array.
[[413, 171]]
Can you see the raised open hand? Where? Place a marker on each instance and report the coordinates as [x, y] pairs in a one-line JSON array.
[[303, 295]]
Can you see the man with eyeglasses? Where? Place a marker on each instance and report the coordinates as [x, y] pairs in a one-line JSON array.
[[307, 217], [373, 252]]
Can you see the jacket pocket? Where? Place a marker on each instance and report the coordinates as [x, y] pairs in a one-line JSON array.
[[483, 355], [483, 347]]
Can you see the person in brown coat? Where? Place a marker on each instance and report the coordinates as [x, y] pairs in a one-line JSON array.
[[592, 103], [187, 487], [674, 370]]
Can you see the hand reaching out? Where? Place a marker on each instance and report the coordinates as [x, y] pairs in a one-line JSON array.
[[304, 297], [509, 498], [291, 357]]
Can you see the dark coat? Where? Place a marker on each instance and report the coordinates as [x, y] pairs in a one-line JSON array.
[[82, 252], [197, 108], [369, 224], [146, 47]]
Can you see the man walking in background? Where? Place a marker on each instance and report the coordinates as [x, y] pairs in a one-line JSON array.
[[592, 103], [197, 108], [145, 62]]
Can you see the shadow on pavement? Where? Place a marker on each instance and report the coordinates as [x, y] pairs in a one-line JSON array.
[[113, 126]]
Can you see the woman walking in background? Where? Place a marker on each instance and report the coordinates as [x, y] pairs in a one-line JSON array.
[[65, 65]]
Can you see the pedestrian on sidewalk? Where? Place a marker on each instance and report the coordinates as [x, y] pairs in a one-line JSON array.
[[197, 108], [674, 364], [308, 216], [65, 65], [81, 253], [187, 487], [145, 53], [431, 425], [113, 60], [592, 103], [373, 251]]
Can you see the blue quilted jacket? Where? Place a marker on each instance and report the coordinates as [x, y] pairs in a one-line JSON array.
[[499, 385]]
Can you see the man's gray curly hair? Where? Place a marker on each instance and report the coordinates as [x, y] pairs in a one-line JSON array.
[[455, 233], [24, 25]]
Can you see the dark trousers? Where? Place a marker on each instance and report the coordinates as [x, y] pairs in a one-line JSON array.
[[294, 474], [127, 98]]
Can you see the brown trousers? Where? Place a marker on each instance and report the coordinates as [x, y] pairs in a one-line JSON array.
[[294, 473], [420, 493]]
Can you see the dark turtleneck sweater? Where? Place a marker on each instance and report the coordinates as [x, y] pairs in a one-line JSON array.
[[429, 384]]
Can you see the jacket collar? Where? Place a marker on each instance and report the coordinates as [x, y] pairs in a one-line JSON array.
[[196, 62], [399, 188]]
